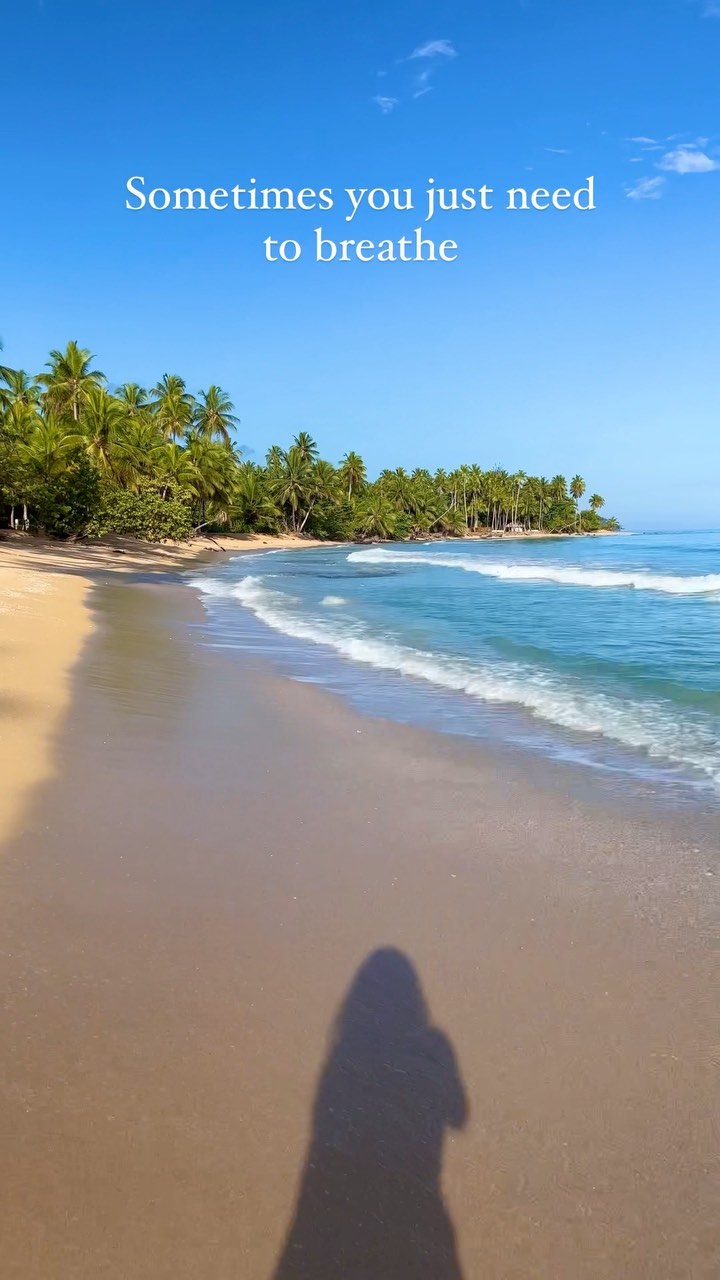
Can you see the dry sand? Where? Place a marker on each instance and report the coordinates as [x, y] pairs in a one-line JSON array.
[[523, 1083], [43, 623]]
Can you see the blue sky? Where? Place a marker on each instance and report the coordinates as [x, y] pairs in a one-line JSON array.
[[557, 342]]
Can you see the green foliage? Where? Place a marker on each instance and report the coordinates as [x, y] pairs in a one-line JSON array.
[[377, 518], [144, 514], [252, 506], [561, 516], [65, 504], [336, 522], [78, 457], [591, 521]]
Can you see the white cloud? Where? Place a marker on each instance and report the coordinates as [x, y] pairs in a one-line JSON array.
[[647, 144], [558, 151], [688, 159], [435, 49], [386, 105], [709, 8], [416, 83], [646, 189]]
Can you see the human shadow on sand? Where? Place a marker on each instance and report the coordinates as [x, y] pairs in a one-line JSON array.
[[370, 1205]]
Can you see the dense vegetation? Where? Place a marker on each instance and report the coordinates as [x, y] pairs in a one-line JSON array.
[[78, 458]]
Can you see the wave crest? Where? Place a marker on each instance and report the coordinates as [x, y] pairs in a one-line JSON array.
[[649, 727], [564, 575]]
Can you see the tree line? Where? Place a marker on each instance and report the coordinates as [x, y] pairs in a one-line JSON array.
[[80, 458]]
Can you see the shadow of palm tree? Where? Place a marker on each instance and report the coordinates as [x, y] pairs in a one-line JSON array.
[[370, 1205]]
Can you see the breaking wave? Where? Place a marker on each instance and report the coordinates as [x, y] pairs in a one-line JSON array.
[[649, 726], [565, 575]]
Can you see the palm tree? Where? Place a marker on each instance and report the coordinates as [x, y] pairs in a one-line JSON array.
[[544, 494], [176, 469], [102, 421], [376, 517], [252, 507], [306, 447], [499, 497], [274, 459], [474, 494], [48, 449], [18, 425], [18, 421], [214, 417], [323, 487], [19, 388], [70, 380], [166, 442], [139, 451], [529, 500], [292, 487], [577, 489], [213, 466], [448, 521], [174, 406], [353, 474], [397, 487], [135, 399], [517, 481]]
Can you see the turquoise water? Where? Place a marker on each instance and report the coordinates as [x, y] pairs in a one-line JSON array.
[[602, 650]]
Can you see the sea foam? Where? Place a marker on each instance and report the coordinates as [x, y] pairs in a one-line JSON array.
[[648, 726], [564, 575]]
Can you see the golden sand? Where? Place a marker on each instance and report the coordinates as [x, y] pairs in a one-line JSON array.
[[43, 622]]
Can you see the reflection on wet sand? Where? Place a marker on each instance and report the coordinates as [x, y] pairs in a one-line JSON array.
[[140, 661]]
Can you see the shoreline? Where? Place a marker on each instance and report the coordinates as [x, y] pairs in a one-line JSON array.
[[44, 584], [173, 983], [499, 535], [45, 623]]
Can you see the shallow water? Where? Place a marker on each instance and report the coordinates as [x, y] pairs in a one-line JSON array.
[[603, 651]]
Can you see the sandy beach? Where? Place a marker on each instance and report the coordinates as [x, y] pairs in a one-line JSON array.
[[294, 993], [44, 622]]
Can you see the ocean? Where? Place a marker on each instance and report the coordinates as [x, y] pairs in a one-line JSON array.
[[600, 651]]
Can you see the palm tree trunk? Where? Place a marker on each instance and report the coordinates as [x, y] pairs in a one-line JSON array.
[[305, 520]]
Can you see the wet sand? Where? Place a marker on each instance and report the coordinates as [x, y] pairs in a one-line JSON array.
[[209, 1070], [44, 623]]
